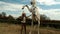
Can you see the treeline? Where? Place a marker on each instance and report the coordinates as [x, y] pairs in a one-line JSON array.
[[4, 18], [45, 21], [11, 19], [50, 23]]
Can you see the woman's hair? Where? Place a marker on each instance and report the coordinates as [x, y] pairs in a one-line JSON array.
[[23, 14]]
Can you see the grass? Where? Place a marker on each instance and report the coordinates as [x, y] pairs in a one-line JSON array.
[[16, 29]]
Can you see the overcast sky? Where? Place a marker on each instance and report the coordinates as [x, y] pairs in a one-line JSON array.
[[50, 8]]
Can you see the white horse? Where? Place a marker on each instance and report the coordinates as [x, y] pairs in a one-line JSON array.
[[35, 13], [34, 10]]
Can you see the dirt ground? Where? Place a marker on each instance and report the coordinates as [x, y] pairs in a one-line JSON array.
[[16, 29]]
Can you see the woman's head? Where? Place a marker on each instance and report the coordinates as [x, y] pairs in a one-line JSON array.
[[23, 14]]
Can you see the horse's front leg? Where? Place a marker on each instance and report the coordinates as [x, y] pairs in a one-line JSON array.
[[38, 23]]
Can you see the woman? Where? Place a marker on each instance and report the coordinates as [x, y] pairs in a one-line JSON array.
[[23, 22]]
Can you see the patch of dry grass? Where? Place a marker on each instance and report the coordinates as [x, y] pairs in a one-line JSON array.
[[16, 29]]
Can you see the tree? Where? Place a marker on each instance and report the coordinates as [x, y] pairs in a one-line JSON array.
[[10, 17], [0, 15], [44, 17], [3, 14]]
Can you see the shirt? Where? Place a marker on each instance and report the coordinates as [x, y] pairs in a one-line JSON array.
[[24, 20]]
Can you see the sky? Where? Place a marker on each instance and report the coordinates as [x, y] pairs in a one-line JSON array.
[[50, 8]]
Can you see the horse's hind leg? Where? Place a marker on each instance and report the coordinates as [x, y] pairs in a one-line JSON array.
[[38, 26]]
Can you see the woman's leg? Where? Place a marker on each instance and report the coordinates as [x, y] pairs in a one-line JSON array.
[[21, 28], [25, 28]]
